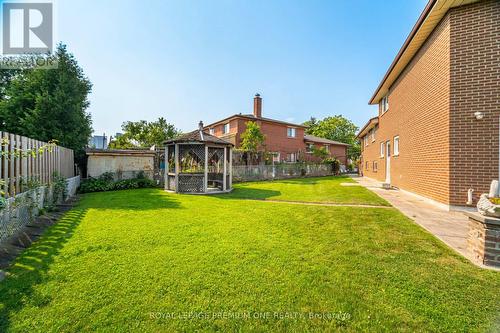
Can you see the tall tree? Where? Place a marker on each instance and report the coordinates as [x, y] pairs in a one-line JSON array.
[[252, 140], [144, 134], [48, 104], [337, 128]]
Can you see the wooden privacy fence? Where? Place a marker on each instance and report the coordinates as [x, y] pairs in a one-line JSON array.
[[16, 166]]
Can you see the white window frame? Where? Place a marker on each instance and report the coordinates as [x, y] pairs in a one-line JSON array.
[[382, 149], [395, 146], [366, 140], [373, 134], [327, 147], [226, 128], [211, 130], [291, 132], [309, 148], [385, 104]]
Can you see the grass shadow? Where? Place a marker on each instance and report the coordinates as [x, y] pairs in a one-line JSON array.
[[31, 267]]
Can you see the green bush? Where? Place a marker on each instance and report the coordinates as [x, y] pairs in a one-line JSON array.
[[105, 183], [334, 164]]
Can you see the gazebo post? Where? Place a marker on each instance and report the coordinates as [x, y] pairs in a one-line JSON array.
[[165, 176], [205, 183], [176, 168], [231, 168], [224, 185]]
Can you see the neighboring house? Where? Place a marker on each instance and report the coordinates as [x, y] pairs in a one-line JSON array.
[[437, 129], [288, 142], [98, 142]]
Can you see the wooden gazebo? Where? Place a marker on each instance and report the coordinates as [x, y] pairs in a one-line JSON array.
[[198, 162]]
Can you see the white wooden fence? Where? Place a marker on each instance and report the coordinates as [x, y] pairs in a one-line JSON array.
[[16, 167]]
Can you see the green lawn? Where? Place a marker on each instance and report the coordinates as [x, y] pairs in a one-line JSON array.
[[144, 260], [321, 189]]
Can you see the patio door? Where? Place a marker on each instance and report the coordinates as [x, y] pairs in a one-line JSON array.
[[388, 162]]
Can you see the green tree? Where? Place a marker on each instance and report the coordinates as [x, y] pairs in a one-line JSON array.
[[144, 134], [337, 128], [48, 104], [252, 140], [321, 153]]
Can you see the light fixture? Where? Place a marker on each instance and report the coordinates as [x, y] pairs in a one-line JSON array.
[[479, 115]]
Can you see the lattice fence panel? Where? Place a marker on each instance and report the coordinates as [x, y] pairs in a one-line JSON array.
[[191, 184], [192, 158]]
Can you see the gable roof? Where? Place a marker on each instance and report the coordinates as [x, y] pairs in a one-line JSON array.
[[251, 117], [199, 136], [368, 126], [432, 14], [313, 138]]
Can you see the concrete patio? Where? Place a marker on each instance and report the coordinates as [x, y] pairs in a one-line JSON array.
[[449, 226]]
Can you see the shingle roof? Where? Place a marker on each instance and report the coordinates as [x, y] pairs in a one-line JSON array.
[[313, 138], [253, 118], [199, 136]]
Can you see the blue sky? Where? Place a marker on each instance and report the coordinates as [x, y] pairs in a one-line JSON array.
[[204, 60]]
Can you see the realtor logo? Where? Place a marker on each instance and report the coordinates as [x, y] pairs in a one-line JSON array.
[[27, 28]]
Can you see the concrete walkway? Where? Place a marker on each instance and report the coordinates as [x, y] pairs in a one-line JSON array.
[[450, 227]]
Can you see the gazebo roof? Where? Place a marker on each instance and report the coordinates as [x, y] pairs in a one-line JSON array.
[[199, 136]]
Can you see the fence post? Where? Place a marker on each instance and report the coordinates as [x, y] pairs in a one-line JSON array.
[[5, 158], [12, 189]]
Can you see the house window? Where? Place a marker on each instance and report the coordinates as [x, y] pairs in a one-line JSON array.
[[291, 157], [396, 145], [375, 166], [367, 165], [366, 140], [384, 104], [290, 132], [373, 135], [327, 147], [226, 128], [309, 147], [276, 156], [382, 149], [211, 131]]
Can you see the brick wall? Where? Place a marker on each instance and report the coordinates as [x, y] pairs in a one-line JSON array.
[[340, 152], [483, 241], [418, 114], [475, 86]]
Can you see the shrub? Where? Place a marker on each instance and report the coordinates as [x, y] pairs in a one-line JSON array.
[[95, 185], [105, 183], [334, 164]]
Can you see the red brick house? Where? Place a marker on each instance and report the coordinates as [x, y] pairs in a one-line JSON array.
[[437, 129], [288, 142]]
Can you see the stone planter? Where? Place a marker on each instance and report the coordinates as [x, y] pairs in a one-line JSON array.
[[486, 207]]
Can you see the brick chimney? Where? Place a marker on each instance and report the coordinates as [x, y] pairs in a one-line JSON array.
[[257, 106]]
